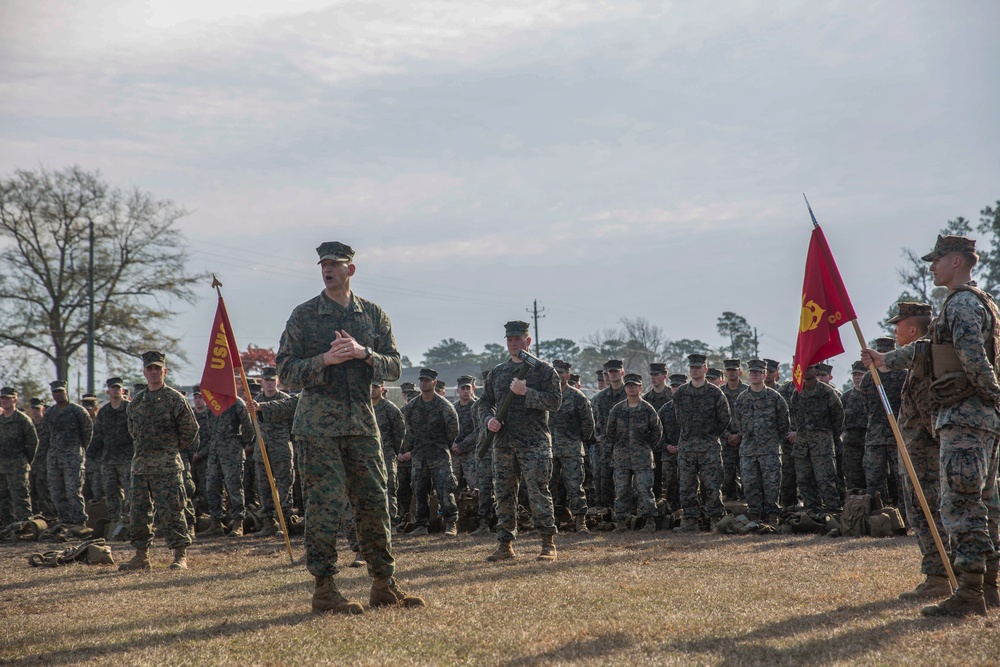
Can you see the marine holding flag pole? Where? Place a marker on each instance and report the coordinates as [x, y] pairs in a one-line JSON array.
[[218, 388], [826, 306]]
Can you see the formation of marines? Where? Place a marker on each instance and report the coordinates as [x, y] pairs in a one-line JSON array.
[[683, 447]]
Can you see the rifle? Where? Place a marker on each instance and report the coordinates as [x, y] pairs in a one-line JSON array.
[[529, 363]]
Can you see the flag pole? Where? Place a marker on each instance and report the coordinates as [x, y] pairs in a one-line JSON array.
[[260, 440], [904, 455]]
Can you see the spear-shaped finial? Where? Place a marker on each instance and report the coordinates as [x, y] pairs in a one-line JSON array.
[[815, 224]]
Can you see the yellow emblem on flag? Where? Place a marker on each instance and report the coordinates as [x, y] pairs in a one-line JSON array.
[[811, 315]]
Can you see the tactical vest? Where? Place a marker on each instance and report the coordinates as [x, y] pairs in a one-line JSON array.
[[950, 383]]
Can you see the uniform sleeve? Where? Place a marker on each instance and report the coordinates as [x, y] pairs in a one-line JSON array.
[[294, 368], [280, 410], [450, 421], [30, 439], [585, 412], [246, 424], [782, 423], [86, 427], [836, 414], [407, 445], [722, 413], [868, 398], [187, 423], [655, 428], [398, 431], [548, 396], [669, 423], [386, 365], [611, 427], [486, 407], [468, 442]]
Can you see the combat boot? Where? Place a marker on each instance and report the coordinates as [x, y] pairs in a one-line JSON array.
[[934, 586], [621, 526], [180, 559], [650, 525], [968, 599], [451, 528], [385, 593], [215, 528], [269, 530], [327, 599], [505, 551], [581, 524], [358, 561], [237, 529], [689, 526], [140, 561], [548, 548], [483, 529], [419, 530], [990, 592]]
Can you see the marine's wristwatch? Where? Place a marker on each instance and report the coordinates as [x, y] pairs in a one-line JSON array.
[[368, 353]]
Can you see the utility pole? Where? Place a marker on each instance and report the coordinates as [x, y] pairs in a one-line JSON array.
[[90, 322], [756, 353], [534, 313]]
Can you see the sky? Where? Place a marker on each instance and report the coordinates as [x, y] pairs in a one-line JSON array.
[[607, 159]]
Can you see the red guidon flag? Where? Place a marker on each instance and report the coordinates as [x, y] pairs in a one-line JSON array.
[[218, 382], [826, 307]]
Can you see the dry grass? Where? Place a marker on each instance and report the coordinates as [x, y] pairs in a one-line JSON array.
[[610, 598]]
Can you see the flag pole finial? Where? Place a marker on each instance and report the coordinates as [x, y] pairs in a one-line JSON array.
[[811, 215]]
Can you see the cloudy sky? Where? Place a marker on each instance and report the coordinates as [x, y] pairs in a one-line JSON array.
[[609, 159]]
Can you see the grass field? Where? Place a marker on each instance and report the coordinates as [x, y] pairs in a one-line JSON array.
[[610, 598]]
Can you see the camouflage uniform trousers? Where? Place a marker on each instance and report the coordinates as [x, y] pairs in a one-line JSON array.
[[389, 458], [704, 467], [440, 476], [969, 504], [93, 482], [15, 496], [816, 472], [925, 455], [532, 463], [671, 481], [568, 468], [66, 486], [117, 484], [854, 453], [789, 483], [881, 464], [189, 514], [164, 494], [228, 471], [731, 469], [404, 490], [463, 466], [337, 469], [484, 482], [639, 479], [761, 484], [41, 497], [250, 482], [838, 459], [284, 478], [199, 471], [589, 487], [604, 476]]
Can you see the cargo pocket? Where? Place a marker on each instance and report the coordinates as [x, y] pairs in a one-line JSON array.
[[965, 471]]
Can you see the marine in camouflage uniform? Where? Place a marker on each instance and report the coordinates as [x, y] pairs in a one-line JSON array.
[[463, 451], [484, 476], [761, 418], [18, 442], [161, 424], [881, 452], [201, 447], [702, 414], [431, 428], [855, 425], [70, 430], [332, 347], [819, 418], [658, 395], [965, 395], [602, 402], [113, 438], [522, 448], [633, 430], [232, 432], [38, 477], [789, 484], [825, 375], [404, 468], [277, 434], [93, 484], [732, 489], [392, 429], [571, 426], [671, 435]]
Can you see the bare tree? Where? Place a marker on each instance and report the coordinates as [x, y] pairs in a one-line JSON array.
[[644, 342]]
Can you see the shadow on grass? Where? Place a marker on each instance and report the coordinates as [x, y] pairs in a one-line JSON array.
[[587, 649]]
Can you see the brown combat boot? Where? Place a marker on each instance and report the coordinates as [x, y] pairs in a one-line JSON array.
[[990, 591], [483, 529], [505, 551], [327, 599], [689, 526], [385, 593], [215, 528], [237, 529], [548, 553], [140, 561], [621, 526], [968, 599], [270, 529], [650, 525], [581, 523], [451, 528], [934, 586], [180, 559]]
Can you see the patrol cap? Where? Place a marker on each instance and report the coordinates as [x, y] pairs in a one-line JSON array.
[[678, 379], [88, 399], [114, 382], [911, 309], [561, 365], [440, 384], [8, 392], [428, 373], [947, 244], [858, 367], [885, 344], [269, 373], [697, 359], [153, 358], [824, 368], [632, 378], [407, 386], [254, 385], [657, 367], [196, 390], [466, 381], [731, 364], [37, 403], [334, 250], [757, 365], [58, 385], [515, 328], [574, 378], [713, 373], [772, 365], [378, 383], [599, 373], [614, 365], [138, 386]]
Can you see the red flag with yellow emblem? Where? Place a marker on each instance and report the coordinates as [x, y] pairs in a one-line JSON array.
[[826, 307], [218, 380]]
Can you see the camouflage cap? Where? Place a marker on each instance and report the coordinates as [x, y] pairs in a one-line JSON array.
[[515, 328], [885, 344], [632, 378], [697, 359], [858, 367], [574, 378], [824, 368], [561, 365], [138, 386], [657, 367], [37, 403], [465, 381], [678, 379], [407, 386], [599, 373], [153, 358], [336, 251], [88, 399], [911, 309], [8, 392], [269, 373], [428, 373], [757, 365], [58, 385], [614, 365], [772, 365], [378, 383], [440, 384], [713, 373], [114, 382], [947, 244], [196, 390], [254, 386], [731, 364]]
